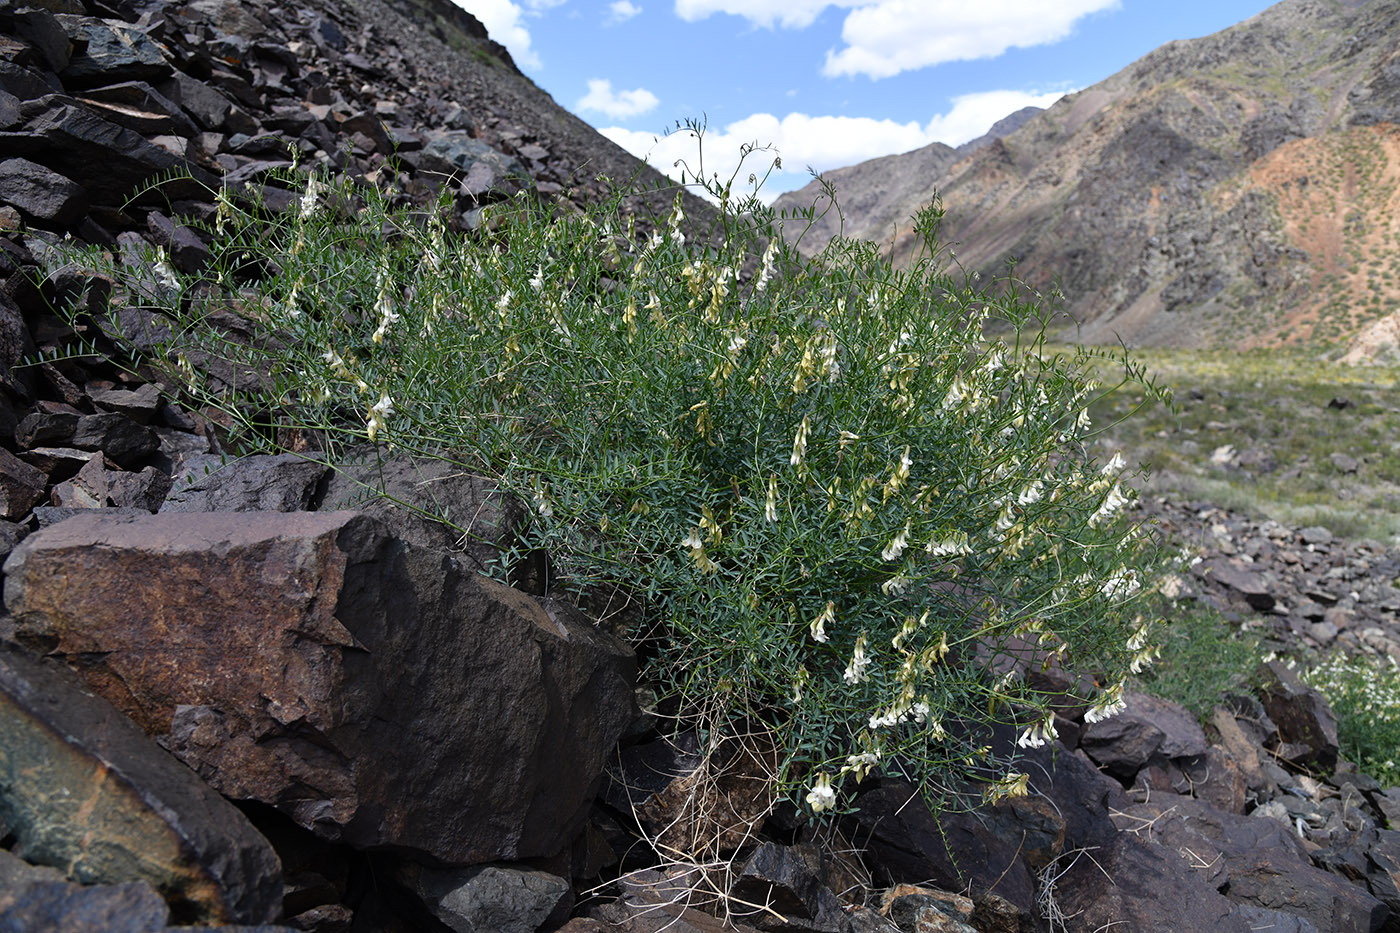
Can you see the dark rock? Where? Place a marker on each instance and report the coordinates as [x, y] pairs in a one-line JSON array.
[[60, 906], [1303, 718], [1149, 727], [21, 486], [1264, 862], [111, 52], [926, 910], [123, 440], [499, 898], [1248, 585], [58, 463], [108, 160], [776, 877], [47, 515], [46, 196], [354, 682], [138, 106], [203, 103], [45, 428], [82, 787], [27, 83], [1315, 534], [145, 490], [140, 404], [88, 489], [187, 251], [1131, 881], [481, 168], [262, 483], [432, 503], [44, 33]]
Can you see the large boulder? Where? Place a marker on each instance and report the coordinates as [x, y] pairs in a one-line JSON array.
[[82, 788], [379, 694]]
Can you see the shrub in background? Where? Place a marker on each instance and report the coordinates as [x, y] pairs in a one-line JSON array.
[[850, 521]]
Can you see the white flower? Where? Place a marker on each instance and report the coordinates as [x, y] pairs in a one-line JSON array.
[[766, 271], [847, 439], [821, 797], [537, 280], [1039, 733], [953, 544], [310, 200], [955, 394], [1115, 464], [737, 342], [855, 671], [1108, 703], [897, 545], [504, 301], [164, 272], [378, 412], [819, 624], [921, 711], [770, 504], [1112, 502], [799, 443], [1082, 422], [1121, 584], [1029, 495], [895, 586], [693, 541], [886, 720]]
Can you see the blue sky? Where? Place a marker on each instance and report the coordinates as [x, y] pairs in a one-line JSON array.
[[828, 83]]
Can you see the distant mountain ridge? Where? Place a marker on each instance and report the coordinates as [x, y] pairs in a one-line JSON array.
[[1242, 189]]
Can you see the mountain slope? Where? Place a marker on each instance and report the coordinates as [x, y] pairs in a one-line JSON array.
[[1234, 190]]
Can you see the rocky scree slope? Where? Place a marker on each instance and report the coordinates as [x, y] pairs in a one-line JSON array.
[[409, 745], [1231, 191]]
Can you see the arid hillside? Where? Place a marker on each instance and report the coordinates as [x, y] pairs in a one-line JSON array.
[[1231, 191]]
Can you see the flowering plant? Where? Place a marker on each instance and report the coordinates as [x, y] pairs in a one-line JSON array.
[[852, 502]]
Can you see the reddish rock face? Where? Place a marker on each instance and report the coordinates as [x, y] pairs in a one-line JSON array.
[[377, 693]]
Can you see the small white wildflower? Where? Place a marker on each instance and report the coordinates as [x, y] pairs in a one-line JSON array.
[[378, 412], [819, 624], [1082, 422], [855, 670], [770, 504], [821, 797], [897, 544], [953, 544], [955, 394], [165, 273], [1108, 703], [737, 342], [766, 270], [886, 720], [537, 280], [847, 439], [895, 586], [1112, 502], [799, 443], [1121, 584], [861, 764], [504, 301], [1030, 495], [1039, 734], [1115, 464], [921, 711], [542, 503], [310, 201]]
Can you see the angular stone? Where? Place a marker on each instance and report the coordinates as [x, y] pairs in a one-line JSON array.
[[112, 52], [499, 898], [83, 788], [140, 404], [261, 483], [1304, 719], [1250, 586], [1264, 862], [655, 902], [44, 33], [926, 910], [203, 103], [138, 106], [377, 693], [87, 490], [1132, 881], [410, 497], [1148, 727], [124, 441], [21, 486], [455, 152], [776, 876], [145, 490], [134, 907], [44, 195], [108, 160]]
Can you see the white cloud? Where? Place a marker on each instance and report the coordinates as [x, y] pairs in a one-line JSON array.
[[822, 142], [622, 10], [885, 37], [616, 104], [502, 20]]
